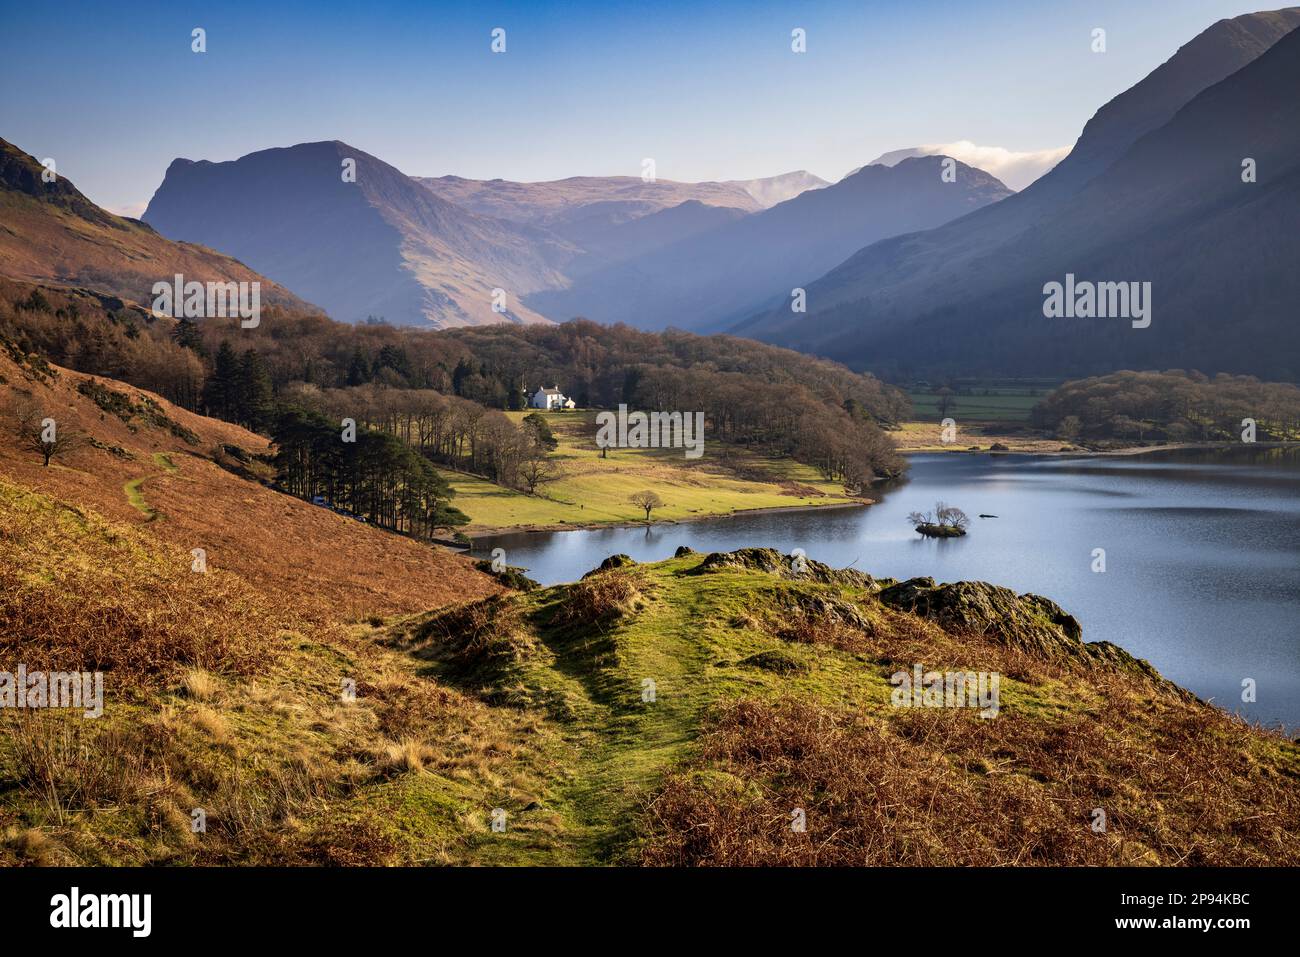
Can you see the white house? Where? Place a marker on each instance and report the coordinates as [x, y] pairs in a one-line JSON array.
[[551, 398]]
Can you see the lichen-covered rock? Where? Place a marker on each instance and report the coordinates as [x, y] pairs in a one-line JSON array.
[[814, 618], [683, 551], [784, 566], [511, 576], [1030, 622], [758, 559]]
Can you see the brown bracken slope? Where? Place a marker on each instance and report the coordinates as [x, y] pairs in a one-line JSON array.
[[147, 462]]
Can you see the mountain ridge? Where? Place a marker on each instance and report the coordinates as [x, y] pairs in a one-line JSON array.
[[381, 245]]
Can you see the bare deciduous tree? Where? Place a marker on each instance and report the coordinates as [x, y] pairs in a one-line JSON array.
[[537, 469], [946, 400], [950, 516], [647, 500], [41, 434]]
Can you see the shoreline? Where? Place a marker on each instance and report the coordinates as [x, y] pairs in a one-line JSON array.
[[479, 533], [476, 534], [1097, 453]]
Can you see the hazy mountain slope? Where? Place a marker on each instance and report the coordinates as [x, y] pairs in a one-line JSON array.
[[725, 272], [959, 280], [639, 237], [582, 208], [381, 246], [552, 201], [50, 232]]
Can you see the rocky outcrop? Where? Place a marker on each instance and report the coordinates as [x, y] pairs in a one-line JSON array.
[[511, 576], [1030, 622], [774, 563]]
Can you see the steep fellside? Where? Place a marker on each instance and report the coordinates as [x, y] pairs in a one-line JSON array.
[[628, 241], [972, 289], [50, 232], [378, 246]]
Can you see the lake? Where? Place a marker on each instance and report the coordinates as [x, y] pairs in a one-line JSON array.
[[1202, 552]]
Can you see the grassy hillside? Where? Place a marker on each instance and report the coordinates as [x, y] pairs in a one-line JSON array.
[[221, 698], [592, 490], [770, 693]]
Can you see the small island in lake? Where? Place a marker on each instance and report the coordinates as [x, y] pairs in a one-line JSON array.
[[945, 521]]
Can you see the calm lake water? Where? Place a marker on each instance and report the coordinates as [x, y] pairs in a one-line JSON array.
[[1202, 552]]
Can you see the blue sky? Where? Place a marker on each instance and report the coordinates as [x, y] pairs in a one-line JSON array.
[[709, 90]]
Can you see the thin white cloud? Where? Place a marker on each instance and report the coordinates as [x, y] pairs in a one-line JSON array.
[[136, 210], [1015, 169]]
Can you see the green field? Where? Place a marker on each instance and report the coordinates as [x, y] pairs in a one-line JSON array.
[[998, 406], [594, 491]]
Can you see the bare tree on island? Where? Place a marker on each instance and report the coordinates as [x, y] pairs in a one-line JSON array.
[[946, 521], [647, 500]]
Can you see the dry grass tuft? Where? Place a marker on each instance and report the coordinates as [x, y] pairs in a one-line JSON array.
[[32, 846], [212, 724], [200, 685], [407, 756], [601, 599]]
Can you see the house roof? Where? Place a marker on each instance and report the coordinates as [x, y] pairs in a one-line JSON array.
[[554, 391]]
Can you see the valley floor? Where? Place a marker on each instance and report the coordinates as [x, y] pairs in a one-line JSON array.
[[593, 491]]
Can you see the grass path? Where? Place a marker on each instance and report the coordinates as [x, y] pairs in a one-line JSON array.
[[620, 746], [617, 769], [134, 488]]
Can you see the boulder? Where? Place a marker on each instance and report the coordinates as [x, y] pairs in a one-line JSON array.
[[614, 561]]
